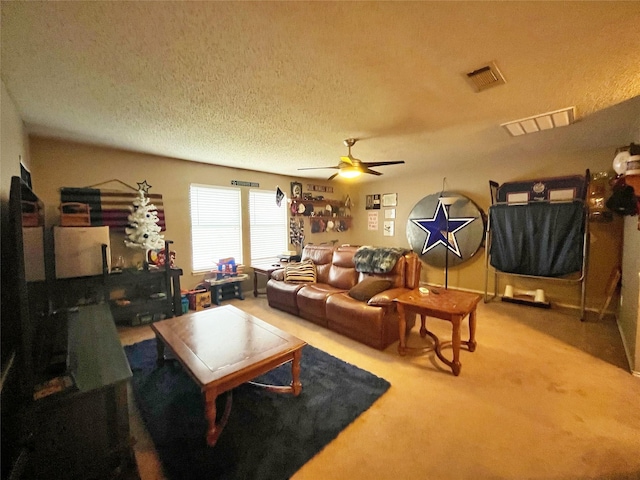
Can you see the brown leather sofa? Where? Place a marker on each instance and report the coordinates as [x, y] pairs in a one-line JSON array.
[[327, 301]]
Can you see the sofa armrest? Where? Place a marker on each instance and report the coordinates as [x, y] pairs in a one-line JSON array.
[[278, 274], [386, 298]]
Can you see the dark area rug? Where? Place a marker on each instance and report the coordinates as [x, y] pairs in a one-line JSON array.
[[269, 435]]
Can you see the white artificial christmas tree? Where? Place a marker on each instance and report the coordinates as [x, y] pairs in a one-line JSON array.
[[143, 230]]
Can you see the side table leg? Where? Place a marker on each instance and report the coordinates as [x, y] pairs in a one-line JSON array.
[[472, 331], [402, 329], [423, 325], [455, 344], [255, 283]]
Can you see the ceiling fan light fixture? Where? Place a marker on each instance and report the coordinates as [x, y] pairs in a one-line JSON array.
[[349, 172]]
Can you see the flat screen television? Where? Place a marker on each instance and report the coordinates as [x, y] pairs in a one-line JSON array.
[[25, 306]]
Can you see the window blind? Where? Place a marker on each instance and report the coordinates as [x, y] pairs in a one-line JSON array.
[[268, 223], [216, 225]]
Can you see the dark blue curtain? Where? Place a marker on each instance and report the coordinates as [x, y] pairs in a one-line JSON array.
[[542, 239]]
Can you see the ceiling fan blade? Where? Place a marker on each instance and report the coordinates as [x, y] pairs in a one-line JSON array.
[[368, 170], [332, 176], [379, 164], [316, 168]]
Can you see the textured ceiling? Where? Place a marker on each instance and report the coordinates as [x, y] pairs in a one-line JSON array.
[[273, 86]]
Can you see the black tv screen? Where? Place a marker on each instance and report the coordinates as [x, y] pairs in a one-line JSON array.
[[24, 305]]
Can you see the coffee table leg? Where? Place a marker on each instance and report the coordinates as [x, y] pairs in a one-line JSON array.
[[215, 428], [296, 385], [402, 329], [160, 351]]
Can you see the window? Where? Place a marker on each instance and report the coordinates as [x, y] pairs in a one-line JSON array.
[[268, 226], [216, 225]]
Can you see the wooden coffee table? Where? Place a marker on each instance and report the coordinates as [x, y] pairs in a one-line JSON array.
[[445, 304], [224, 347]]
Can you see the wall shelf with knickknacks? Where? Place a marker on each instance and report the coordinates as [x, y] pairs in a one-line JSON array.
[[325, 215]]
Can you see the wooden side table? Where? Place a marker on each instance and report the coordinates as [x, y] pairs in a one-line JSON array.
[[448, 305], [263, 269]]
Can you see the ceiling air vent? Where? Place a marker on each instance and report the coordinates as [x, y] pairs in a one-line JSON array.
[[486, 77]]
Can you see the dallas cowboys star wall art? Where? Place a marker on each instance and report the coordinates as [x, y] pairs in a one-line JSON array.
[[429, 221]]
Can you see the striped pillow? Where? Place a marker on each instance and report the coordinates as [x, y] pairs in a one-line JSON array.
[[298, 272]]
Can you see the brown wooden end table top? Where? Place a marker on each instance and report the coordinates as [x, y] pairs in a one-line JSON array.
[[224, 347], [450, 305]]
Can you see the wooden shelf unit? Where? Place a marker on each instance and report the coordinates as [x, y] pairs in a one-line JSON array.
[[320, 213], [145, 295]]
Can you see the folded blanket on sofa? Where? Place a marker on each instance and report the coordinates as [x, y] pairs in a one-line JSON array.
[[377, 259]]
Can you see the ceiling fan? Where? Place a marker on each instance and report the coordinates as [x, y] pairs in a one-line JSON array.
[[350, 167]]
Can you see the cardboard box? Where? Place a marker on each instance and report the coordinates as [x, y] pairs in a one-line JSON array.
[[199, 299]]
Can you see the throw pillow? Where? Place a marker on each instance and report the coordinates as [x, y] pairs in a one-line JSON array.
[[369, 287], [298, 272]]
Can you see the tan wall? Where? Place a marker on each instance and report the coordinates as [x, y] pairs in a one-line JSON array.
[[61, 164], [473, 182], [57, 164], [14, 144]]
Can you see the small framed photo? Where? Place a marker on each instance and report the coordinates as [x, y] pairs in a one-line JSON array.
[[389, 199], [307, 196], [389, 230], [369, 204], [296, 190]]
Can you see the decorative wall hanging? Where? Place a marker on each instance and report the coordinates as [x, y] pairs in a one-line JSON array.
[[110, 207], [372, 221], [427, 227], [296, 232]]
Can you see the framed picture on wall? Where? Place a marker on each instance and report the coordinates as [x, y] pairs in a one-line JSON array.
[[389, 199], [296, 190]]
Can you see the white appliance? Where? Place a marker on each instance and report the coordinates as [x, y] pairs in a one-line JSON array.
[[78, 251], [33, 243]]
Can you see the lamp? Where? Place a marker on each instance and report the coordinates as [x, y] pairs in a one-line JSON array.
[[447, 201]]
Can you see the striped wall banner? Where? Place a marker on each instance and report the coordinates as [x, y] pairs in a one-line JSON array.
[[108, 207]]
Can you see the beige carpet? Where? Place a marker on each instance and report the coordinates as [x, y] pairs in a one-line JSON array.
[[544, 396]]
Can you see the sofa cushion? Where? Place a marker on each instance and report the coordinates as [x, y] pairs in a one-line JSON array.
[[299, 272], [369, 287]]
